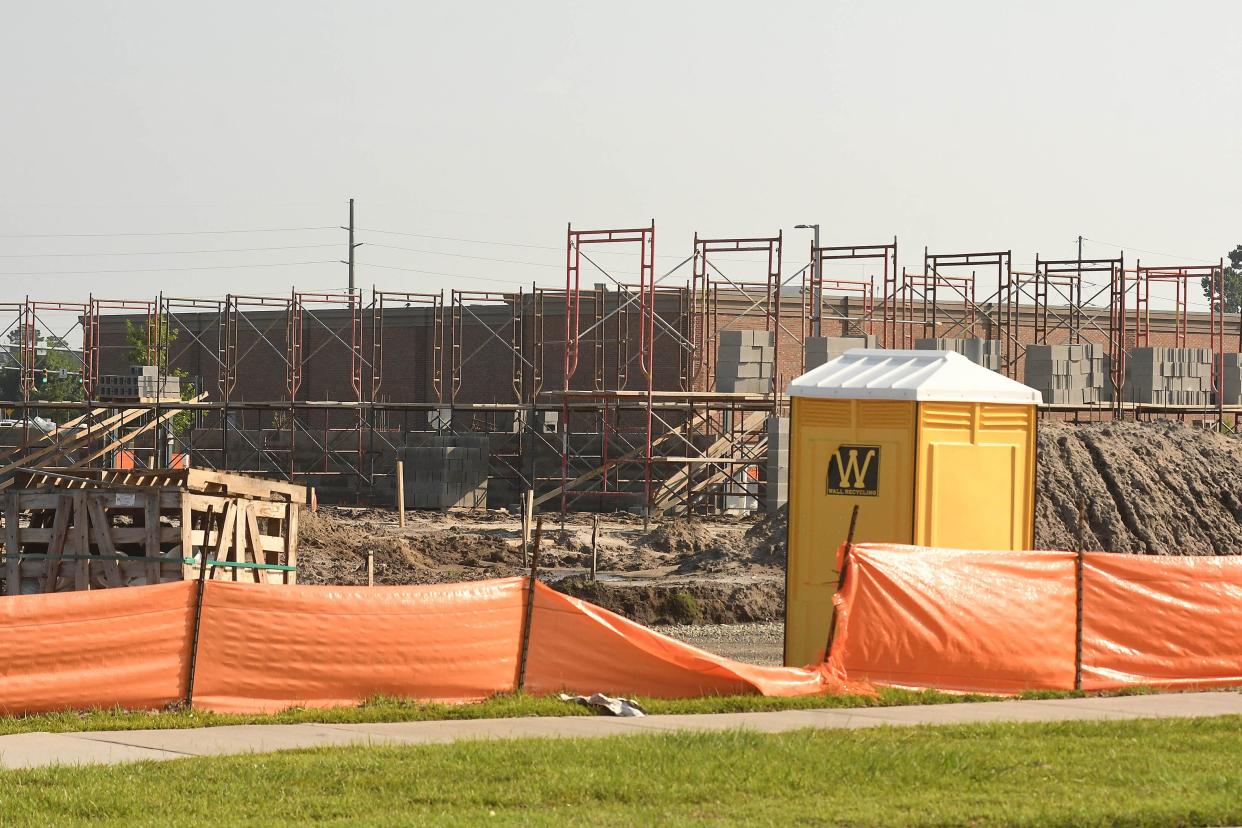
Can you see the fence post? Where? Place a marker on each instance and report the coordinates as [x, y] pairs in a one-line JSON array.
[[845, 563], [1078, 577], [198, 608], [594, 544], [530, 604], [400, 494]]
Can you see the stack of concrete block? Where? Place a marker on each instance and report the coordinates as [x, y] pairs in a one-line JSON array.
[[744, 362], [446, 472], [817, 350], [1069, 374], [1231, 381], [142, 384], [777, 464], [1169, 376], [985, 352]]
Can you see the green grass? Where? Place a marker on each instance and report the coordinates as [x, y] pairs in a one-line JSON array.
[[1146, 772], [385, 709]]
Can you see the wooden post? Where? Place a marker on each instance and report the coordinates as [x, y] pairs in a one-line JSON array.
[[530, 604], [528, 512], [845, 564], [401, 494], [594, 544], [370, 567]]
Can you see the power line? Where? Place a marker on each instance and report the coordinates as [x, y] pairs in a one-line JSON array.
[[466, 256], [162, 233], [449, 275], [455, 239], [160, 269], [1152, 252], [161, 252]]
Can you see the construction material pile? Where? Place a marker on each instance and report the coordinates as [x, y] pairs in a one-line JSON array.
[[744, 362], [1069, 374], [985, 352], [143, 384], [1169, 376], [816, 350]]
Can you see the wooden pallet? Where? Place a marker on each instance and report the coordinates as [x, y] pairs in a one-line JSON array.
[[112, 528]]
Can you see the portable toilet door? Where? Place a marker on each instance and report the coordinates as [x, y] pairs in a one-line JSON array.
[[933, 449]]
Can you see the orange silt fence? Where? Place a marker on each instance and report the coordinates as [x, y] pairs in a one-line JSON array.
[[1004, 622], [264, 648], [966, 621]]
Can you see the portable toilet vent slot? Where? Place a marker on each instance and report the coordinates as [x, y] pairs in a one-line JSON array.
[[934, 449]]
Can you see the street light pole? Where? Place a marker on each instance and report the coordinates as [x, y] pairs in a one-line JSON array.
[[817, 281]]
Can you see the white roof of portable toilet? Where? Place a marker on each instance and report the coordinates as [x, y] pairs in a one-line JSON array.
[[879, 374]]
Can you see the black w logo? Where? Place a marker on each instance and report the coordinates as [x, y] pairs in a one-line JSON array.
[[854, 471]]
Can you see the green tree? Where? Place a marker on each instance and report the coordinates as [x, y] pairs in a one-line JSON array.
[[1232, 299], [136, 337]]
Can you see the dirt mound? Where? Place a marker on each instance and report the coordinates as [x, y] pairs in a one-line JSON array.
[[1157, 488], [767, 536], [333, 547], [691, 602]]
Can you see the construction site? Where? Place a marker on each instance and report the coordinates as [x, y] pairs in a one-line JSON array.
[[642, 413]]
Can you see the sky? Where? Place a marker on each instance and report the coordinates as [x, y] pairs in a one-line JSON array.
[[204, 149]]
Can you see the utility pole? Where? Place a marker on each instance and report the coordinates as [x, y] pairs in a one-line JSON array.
[[352, 246]]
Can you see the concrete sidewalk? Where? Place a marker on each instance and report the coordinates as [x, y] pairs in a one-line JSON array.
[[28, 750]]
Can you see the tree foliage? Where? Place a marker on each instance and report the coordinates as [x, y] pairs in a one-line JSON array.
[[137, 338], [1232, 300]]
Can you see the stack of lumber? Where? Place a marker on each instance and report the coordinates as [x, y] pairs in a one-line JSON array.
[[76, 529]]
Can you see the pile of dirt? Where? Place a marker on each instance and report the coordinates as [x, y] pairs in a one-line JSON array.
[[697, 547], [767, 536], [685, 602], [1157, 488], [333, 547]]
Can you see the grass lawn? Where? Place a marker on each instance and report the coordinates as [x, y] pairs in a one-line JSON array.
[[1147, 772], [501, 706]]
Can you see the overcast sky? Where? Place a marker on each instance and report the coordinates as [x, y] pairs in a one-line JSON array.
[[958, 125]]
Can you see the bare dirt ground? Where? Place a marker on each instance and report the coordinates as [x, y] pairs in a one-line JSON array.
[[1154, 488]]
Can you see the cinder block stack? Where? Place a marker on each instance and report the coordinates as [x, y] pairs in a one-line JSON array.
[[817, 350], [1169, 376], [744, 361], [141, 384], [778, 464], [985, 352], [1231, 384], [447, 472], [1069, 374]]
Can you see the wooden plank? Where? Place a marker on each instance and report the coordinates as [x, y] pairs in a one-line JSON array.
[[80, 544], [225, 539], [256, 546], [12, 547], [120, 535], [239, 538], [99, 529], [56, 543], [151, 527], [212, 482], [291, 541], [131, 436], [187, 539], [629, 455], [80, 436], [262, 508]]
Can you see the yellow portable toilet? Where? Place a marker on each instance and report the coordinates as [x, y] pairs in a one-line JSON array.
[[934, 449]]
